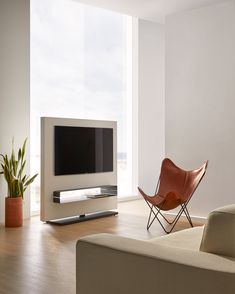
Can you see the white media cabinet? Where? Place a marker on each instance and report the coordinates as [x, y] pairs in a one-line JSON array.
[[52, 210], [83, 194]]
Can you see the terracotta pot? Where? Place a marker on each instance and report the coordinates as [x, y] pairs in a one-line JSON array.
[[13, 212]]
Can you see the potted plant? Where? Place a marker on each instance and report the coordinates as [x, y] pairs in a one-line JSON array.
[[17, 183]]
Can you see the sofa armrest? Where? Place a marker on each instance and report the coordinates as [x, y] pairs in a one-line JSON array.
[[118, 265]]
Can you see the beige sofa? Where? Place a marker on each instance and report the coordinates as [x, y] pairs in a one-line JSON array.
[[193, 261]]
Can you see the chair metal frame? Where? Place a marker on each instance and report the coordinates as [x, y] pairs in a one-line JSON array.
[[156, 211]]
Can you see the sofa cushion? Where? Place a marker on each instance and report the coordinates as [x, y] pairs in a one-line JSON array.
[[185, 239], [219, 232]]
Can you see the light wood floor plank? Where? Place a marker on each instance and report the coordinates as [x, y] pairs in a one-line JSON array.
[[40, 258]]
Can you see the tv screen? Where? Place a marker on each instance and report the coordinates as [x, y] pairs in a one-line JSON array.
[[81, 150]]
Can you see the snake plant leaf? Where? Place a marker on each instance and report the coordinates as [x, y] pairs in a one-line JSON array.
[[12, 158], [24, 179], [23, 149], [19, 154], [6, 161], [7, 174], [29, 181], [13, 169], [21, 169], [21, 188]]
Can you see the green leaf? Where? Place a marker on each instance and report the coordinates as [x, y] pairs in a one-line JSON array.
[[23, 149], [19, 154], [24, 179], [13, 169], [30, 181], [21, 169]]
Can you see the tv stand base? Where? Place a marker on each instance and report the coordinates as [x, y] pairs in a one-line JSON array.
[[81, 218]]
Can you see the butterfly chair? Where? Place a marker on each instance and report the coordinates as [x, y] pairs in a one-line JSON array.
[[175, 188]]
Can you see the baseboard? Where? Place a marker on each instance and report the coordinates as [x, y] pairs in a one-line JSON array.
[[193, 217], [129, 198]]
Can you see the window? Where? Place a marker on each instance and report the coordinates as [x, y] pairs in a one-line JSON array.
[[80, 68]]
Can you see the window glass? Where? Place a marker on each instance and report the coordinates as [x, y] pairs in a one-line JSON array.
[[80, 68]]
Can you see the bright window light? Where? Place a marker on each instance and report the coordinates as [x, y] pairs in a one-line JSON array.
[[81, 68]]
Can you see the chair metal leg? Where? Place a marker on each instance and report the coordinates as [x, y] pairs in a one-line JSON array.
[[172, 223], [151, 210], [155, 216], [149, 223], [187, 214]]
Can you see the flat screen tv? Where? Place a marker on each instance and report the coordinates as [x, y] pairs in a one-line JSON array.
[[81, 150]]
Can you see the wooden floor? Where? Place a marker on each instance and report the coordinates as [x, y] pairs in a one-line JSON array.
[[40, 258]]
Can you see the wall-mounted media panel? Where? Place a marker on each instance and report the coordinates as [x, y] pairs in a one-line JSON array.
[[63, 168]]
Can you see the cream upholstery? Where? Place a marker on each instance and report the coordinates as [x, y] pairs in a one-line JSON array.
[[219, 233], [190, 238], [109, 264]]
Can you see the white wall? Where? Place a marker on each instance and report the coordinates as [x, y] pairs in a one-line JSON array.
[[15, 88], [14, 83], [151, 103], [200, 99]]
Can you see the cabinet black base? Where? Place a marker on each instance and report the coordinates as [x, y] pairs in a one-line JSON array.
[[81, 218]]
